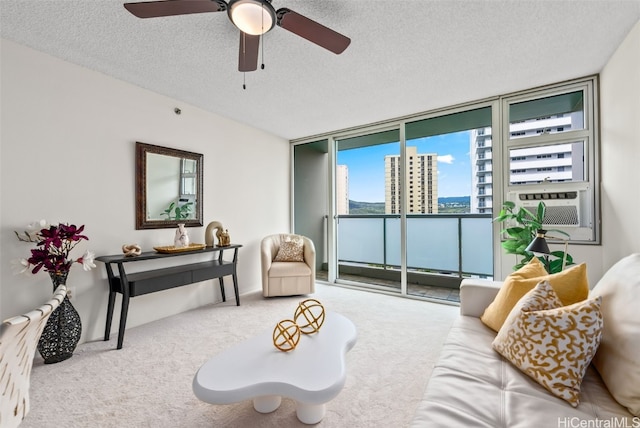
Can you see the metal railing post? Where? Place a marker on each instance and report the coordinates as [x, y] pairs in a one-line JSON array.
[[384, 242], [459, 247]]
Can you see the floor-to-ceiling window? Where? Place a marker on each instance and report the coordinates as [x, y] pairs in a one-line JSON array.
[[407, 205]]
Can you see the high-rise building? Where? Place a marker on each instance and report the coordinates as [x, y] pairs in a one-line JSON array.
[[481, 171], [531, 165], [342, 189], [421, 172]]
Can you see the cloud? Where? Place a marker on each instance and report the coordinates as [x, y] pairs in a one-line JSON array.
[[446, 159]]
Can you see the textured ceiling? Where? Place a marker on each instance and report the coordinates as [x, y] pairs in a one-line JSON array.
[[406, 56]]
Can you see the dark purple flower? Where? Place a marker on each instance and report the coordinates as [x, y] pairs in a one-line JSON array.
[[54, 246]]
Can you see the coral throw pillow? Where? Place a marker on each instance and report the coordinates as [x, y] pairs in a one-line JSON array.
[[290, 251], [571, 285], [551, 343]]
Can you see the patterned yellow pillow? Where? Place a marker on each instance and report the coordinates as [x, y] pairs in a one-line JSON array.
[[290, 251], [571, 286], [551, 343]]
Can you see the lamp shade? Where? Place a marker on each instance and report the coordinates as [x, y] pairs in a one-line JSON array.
[[253, 17], [539, 244]]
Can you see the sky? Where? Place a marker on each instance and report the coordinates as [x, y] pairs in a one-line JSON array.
[[366, 166]]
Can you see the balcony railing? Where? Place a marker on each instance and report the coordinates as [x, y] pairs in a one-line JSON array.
[[442, 249]]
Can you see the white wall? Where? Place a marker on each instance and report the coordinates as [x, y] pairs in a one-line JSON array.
[[620, 123], [67, 155]]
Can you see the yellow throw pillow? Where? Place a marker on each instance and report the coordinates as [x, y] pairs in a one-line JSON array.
[[552, 344], [571, 285], [290, 251], [533, 269]]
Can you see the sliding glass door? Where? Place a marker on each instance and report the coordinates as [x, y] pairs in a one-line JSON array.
[[367, 186], [449, 234], [405, 208]]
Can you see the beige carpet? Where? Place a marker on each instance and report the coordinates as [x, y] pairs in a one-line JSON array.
[[148, 382]]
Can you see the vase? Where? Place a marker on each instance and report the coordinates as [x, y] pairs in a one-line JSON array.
[[62, 331], [182, 237]]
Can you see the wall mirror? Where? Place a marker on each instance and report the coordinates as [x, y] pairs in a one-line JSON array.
[[168, 187]]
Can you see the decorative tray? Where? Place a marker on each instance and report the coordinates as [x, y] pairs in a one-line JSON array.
[[173, 249]]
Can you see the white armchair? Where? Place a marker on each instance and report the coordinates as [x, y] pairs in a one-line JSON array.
[[287, 274], [18, 341]]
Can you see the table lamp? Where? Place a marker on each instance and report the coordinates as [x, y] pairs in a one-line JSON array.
[[539, 245]]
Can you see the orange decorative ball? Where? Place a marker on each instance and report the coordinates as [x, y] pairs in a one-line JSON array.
[[309, 316], [286, 335]]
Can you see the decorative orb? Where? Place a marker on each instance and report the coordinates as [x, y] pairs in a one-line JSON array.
[[286, 335], [309, 316]]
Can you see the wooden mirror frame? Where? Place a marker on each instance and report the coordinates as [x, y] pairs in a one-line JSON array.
[[142, 222]]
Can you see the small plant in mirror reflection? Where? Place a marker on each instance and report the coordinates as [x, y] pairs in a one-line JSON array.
[[178, 212]]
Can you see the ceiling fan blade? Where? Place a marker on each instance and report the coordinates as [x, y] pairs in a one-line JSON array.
[[155, 9], [312, 31], [248, 58]]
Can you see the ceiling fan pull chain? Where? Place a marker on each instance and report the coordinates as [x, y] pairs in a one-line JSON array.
[[262, 40], [262, 50], [244, 80]]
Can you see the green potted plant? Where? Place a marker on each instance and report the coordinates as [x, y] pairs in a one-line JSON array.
[[521, 227], [178, 212]]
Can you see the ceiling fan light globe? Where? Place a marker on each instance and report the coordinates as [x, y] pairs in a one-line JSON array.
[[253, 17]]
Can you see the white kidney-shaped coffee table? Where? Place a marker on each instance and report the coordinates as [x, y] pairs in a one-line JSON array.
[[312, 374]]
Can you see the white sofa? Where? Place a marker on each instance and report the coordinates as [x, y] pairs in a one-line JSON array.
[[473, 386]]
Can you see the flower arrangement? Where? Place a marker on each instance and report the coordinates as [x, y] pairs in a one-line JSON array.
[[54, 245]]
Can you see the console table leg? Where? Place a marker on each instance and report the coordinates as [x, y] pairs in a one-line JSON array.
[[267, 403], [235, 289], [310, 413], [110, 305], [123, 320], [221, 280]]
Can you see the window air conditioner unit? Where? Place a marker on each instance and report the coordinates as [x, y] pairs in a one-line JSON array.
[[568, 207]]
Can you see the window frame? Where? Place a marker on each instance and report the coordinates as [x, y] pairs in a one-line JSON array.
[[589, 135], [500, 150]]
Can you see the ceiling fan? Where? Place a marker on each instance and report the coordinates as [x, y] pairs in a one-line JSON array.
[[253, 18]]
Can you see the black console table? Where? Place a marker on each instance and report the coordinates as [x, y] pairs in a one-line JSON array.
[[139, 283]]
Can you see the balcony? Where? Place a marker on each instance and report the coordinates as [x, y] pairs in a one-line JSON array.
[[484, 156], [442, 249]]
